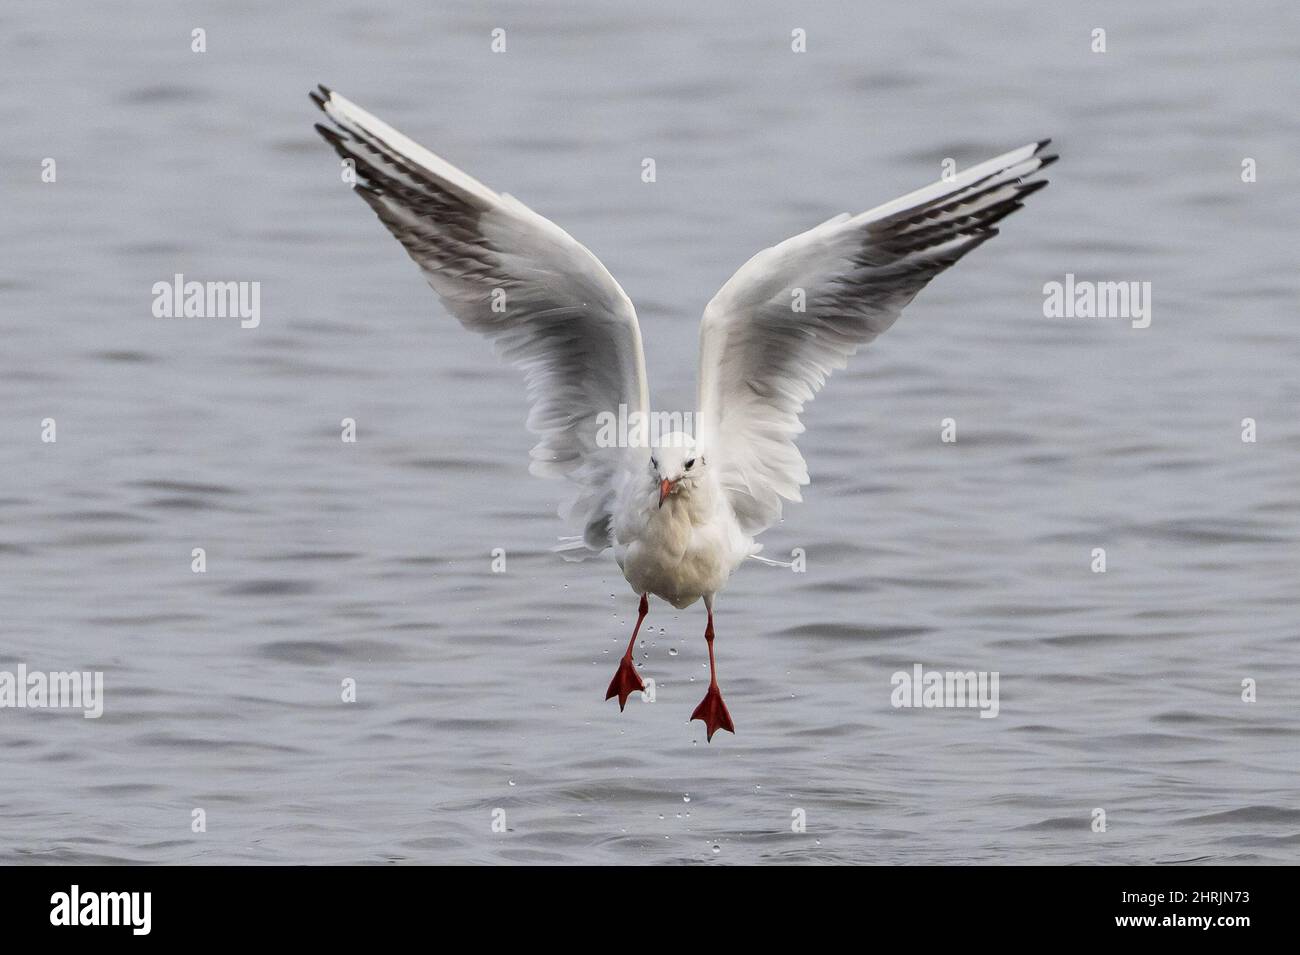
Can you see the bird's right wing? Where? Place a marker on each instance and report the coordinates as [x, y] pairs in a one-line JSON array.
[[762, 358], [508, 273]]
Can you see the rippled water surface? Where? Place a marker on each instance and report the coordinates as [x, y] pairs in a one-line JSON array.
[[479, 691]]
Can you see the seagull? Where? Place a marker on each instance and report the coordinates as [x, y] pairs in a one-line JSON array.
[[680, 511]]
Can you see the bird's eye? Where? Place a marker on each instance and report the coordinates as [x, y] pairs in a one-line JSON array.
[[690, 464]]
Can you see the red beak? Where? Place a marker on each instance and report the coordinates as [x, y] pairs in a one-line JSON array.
[[665, 486]]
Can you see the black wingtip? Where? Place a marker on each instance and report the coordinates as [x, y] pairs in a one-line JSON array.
[[1045, 161], [1029, 188], [320, 95], [1041, 144], [329, 135]]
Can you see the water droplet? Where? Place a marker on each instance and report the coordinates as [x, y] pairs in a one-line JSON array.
[[672, 651], [717, 849], [512, 782], [686, 797]]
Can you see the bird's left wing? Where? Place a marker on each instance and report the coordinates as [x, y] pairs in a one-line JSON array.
[[795, 312], [507, 273]]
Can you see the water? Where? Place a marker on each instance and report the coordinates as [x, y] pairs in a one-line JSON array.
[[478, 691]]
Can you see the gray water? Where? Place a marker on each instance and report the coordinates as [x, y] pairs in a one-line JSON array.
[[479, 691]]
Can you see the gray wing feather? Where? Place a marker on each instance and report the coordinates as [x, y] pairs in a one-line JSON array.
[[761, 361], [509, 274]]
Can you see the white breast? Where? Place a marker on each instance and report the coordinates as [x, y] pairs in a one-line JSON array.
[[682, 551]]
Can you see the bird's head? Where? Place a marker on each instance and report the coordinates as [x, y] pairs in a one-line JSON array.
[[676, 465]]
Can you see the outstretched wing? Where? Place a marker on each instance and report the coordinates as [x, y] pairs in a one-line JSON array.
[[509, 274], [761, 360]]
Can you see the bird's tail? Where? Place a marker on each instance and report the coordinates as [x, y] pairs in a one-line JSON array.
[[574, 548]]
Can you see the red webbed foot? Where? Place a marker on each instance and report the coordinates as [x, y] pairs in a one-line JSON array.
[[713, 711], [626, 682]]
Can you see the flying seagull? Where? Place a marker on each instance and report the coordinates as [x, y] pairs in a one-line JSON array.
[[681, 512]]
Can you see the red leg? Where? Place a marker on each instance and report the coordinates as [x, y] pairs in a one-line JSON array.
[[626, 680], [712, 710]]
